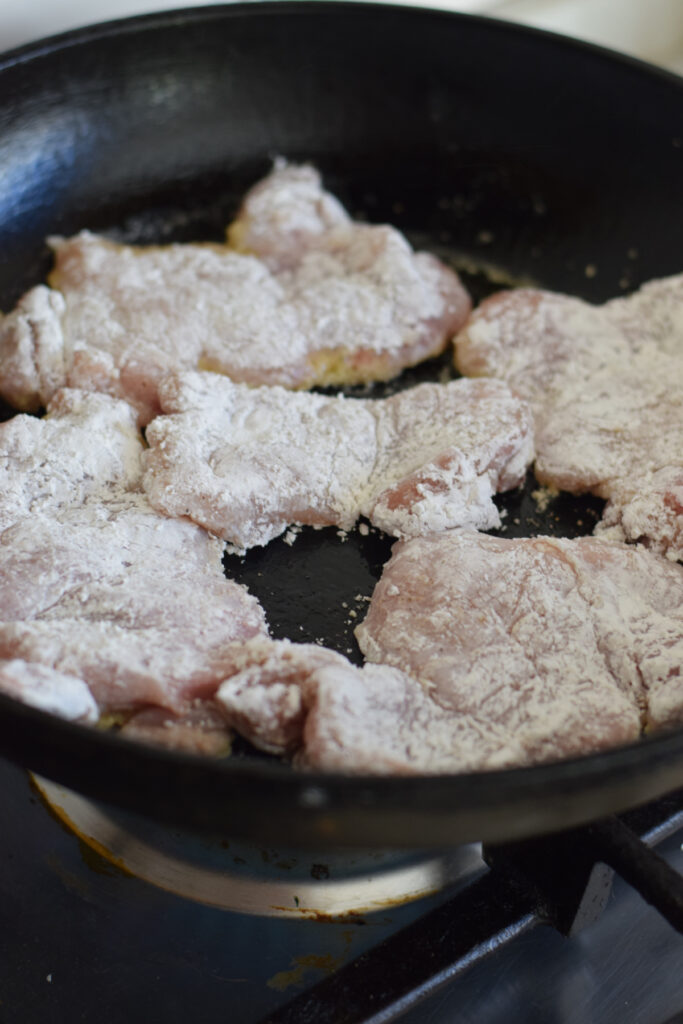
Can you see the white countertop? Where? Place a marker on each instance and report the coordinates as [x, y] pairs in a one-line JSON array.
[[651, 29]]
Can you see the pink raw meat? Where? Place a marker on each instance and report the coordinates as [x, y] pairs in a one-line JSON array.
[[306, 701], [563, 643], [351, 303], [605, 385], [93, 582], [202, 729], [247, 462]]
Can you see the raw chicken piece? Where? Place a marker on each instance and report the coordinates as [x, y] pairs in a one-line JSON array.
[[305, 700], [44, 688], [247, 462], [380, 720], [357, 305], [87, 447], [285, 215], [272, 682], [605, 385], [202, 729], [559, 642], [93, 582], [375, 305]]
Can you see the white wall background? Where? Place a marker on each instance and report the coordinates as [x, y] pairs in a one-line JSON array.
[[651, 29]]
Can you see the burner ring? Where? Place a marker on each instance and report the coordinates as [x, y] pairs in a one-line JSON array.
[[249, 880]]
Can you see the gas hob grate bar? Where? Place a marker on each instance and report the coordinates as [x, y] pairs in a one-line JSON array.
[[563, 880]]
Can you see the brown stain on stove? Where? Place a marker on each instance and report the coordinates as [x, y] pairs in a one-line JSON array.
[[311, 914], [94, 855], [99, 859], [356, 916], [82, 885], [326, 963], [73, 882]]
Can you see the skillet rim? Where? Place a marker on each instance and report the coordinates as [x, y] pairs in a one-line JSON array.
[[157, 19], [333, 808]]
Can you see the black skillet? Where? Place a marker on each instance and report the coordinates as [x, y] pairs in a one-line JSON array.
[[527, 155]]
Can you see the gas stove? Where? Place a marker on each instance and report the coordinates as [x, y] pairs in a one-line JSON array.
[[111, 918]]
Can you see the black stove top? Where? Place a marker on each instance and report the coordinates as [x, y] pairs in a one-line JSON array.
[[83, 940]]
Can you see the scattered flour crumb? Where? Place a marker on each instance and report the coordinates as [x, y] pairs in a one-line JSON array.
[[543, 496], [363, 529]]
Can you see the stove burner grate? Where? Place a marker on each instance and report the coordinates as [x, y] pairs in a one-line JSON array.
[[563, 880]]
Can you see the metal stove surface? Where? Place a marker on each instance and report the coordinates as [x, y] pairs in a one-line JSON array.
[[626, 968], [82, 940]]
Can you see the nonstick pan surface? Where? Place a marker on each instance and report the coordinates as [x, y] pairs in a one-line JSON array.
[[517, 155]]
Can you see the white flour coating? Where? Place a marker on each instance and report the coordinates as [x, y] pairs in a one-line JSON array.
[[266, 697], [352, 302], [44, 688], [606, 388], [284, 214], [305, 701], [565, 644], [33, 360], [93, 582], [247, 462]]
